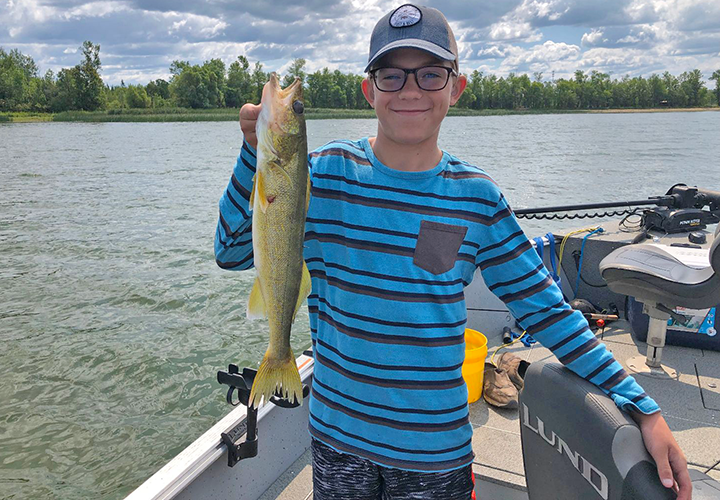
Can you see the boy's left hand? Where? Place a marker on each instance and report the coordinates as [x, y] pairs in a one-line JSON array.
[[669, 458]]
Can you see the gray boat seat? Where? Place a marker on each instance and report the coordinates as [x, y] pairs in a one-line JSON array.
[[578, 445], [651, 274]]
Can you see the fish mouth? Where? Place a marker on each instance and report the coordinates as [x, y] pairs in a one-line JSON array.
[[279, 106], [274, 91]]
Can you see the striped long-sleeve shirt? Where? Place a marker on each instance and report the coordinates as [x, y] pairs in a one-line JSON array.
[[389, 253]]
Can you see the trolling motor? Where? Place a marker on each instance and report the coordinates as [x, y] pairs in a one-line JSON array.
[[680, 209], [686, 212], [242, 383]]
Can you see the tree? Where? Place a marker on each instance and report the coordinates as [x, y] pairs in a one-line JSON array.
[[159, 92], [466, 99], [209, 85], [194, 86], [258, 79], [535, 96], [581, 90], [356, 99], [178, 67], [17, 71], [188, 88], [214, 76], [45, 92], [89, 86], [675, 96], [136, 97], [692, 85], [476, 89], [716, 76], [565, 95], [158, 88], [66, 95], [338, 86], [296, 70], [658, 90], [239, 86]]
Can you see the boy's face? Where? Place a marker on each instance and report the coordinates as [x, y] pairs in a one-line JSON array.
[[412, 115]]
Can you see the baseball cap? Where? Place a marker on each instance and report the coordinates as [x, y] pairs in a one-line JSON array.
[[415, 27]]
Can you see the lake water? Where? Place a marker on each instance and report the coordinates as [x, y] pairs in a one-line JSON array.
[[114, 317]]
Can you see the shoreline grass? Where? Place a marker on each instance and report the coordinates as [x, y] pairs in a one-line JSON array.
[[231, 114]]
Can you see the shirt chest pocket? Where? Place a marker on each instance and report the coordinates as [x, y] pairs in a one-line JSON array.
[[437, 246]]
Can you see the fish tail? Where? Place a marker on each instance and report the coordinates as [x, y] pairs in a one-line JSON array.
[[277, 374]]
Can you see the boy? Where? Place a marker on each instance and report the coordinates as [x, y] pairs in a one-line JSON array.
[[395, 230]]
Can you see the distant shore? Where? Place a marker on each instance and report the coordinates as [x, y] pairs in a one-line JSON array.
[[231, 114]]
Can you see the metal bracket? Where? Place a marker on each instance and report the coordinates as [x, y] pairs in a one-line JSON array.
[[242, 383]]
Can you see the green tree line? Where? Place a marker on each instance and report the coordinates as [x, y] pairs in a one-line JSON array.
[[212, 84]]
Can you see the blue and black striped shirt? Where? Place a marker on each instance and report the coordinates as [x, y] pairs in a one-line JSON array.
[[389, 253]]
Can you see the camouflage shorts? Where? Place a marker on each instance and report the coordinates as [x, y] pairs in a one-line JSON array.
[[348, 477]]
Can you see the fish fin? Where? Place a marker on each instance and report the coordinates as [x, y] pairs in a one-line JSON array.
[[305, 287], [259, 190], [256, 303], [277, 375], [307, 195], [285, 172], [252, 194]]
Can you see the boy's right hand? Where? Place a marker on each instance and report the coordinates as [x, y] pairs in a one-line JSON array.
[[248, 118]]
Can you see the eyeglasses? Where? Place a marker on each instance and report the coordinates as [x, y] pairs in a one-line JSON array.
[[429, 78]]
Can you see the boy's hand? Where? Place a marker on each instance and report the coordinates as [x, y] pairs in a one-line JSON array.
[[670, 460], [248, 118]]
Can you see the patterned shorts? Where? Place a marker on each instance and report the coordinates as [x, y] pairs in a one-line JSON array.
[[340, 476]]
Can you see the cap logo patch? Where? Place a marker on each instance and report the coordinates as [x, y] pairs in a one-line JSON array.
[[404, 16]]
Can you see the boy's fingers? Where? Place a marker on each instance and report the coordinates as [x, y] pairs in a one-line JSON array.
[[682, 476], [250, 111], [664, 471], [248, 118]]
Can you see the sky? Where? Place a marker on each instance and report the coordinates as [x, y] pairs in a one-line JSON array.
[[139, 39]]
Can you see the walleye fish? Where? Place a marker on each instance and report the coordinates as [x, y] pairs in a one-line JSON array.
[[279, 200]]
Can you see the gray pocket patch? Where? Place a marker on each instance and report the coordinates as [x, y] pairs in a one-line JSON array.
[[437, 246]]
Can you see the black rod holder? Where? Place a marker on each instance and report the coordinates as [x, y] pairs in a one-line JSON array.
[[242, 383]]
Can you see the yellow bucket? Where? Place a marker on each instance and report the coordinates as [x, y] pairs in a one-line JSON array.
[[472, 369]]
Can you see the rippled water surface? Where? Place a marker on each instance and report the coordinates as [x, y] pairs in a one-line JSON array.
[[114, 317]]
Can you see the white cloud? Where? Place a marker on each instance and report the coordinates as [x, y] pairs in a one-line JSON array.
[[23, 11], [95, 9], [492, 52], [547, 52], [512, 30], [592, 38], [614, 57], [140, 38], [203, 26]]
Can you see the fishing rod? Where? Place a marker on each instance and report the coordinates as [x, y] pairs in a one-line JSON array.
[[680, 209]]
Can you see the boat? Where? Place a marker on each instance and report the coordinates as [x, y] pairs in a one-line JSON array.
[[567, 440]]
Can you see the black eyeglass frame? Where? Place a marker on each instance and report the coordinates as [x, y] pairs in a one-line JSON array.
[[451, 71]]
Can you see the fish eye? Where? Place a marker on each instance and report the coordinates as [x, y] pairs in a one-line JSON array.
[[298, 107]]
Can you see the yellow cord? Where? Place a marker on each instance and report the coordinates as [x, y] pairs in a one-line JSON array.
[[492, 358], [562, 250], [562, 245]]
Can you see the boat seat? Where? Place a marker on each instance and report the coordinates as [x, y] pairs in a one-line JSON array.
[[577, 444], [650, 273], [662, 283]]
